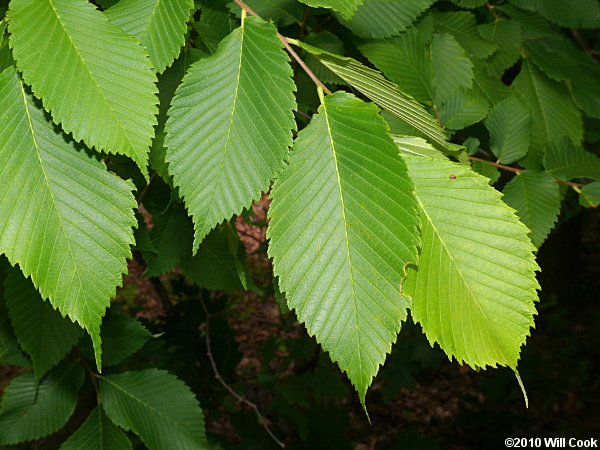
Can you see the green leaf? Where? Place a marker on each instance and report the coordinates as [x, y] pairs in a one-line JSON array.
[[509, 127], [122, 336], [220, 261], [88, 62], [43, 333], [380, 19], [507, 34], [156, 406], [343, 227], [561, 60], [583, 14], [30, 412], [470, 4], [533, 25], [417, 146], [566, 161], [160, 25], [215, 23], [590, 195], [491, 88], [346, 7], [475, 287], [463, 108], [462, 25], [230, 125], [553, 114], [406, 61], [282, 12], [536, 198], [11, 352], [77, 254], [172, 236], [492, 173], [97, 433], [386, 94], [452, 67], [329, 42]]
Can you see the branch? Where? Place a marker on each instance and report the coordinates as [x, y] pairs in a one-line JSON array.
[[516, 170], [290, 50], [228, 388]]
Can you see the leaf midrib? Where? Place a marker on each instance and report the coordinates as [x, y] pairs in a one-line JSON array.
[[52, 196]]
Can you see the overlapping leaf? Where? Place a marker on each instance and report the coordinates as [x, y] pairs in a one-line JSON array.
[[386, 94], [462, 25], [31, 412], [509, 127], [282, 12], [160, 25], [553, 114], [136, 401], [230, 125], [346, 7], [507, 34], [462, 108], [385, 18], [343, 227], [536, 198], [586, 13], [406, 61], [97, 433], [96, 80], [452, 67], [475, 287], [43, 333], [64, 219], [566, 161]]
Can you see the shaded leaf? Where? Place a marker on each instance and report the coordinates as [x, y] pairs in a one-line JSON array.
[[462, 25], [509, 127], [536, 197], [385, 18], [346, 7], [553, 114], [452, 67], [463, 108], [97, 433], [586, 13], [590, 195], [282, 12], [28, 413], [122, 336], [406, 61], [43, 333], [566, 161], [507, 34], [156, 406]]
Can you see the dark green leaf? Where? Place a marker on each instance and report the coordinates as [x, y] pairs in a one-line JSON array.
[[97, 433]]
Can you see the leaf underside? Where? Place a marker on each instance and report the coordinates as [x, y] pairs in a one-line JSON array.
[[475, 287], [343, 227]]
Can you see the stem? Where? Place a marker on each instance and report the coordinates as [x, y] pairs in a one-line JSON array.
[[516, 170], [290, 50], [228, 388], [144, 191]]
